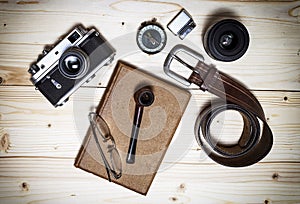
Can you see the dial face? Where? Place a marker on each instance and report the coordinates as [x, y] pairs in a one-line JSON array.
[[151, 38]]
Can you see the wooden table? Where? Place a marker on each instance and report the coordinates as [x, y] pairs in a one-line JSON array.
[[39, 142]]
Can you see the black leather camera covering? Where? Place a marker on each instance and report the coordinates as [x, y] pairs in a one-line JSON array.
[[96, 49]]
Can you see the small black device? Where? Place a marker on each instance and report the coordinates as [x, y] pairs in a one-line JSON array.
[[144, 97], [227, 40], [59, 72], [151, 37]]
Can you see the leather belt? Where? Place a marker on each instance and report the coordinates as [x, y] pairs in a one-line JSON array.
[[256, 140]]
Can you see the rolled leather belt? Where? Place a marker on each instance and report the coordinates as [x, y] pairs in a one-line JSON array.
[[255, 141]]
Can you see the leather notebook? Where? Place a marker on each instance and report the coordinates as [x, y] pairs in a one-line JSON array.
[[159, 123]]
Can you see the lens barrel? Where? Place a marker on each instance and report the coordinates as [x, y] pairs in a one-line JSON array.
[[227, 40], [73, 63]]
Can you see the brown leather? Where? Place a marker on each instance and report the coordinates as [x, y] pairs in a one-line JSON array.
[[255, 142]]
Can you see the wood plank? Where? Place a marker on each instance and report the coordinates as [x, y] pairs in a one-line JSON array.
[[40, 180], [266, 65], [38, 143], [36, 128]]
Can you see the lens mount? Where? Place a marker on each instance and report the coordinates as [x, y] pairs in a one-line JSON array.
[[227, 40], [73, 63]]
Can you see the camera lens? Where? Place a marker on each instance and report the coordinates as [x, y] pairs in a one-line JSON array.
[[73, 63], [227, 40]]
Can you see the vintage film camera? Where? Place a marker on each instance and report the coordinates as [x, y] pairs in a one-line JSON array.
[[73, 61]]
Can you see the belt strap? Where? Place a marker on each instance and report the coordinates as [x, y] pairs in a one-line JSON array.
[[255, 142]]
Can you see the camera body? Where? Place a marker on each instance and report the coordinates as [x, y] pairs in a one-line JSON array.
[[59, 72]]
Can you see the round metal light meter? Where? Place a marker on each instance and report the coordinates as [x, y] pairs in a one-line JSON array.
[[151, 37]]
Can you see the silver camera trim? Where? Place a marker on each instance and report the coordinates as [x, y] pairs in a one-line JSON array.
[[50, 60]]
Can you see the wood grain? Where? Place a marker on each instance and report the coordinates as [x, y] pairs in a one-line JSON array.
[[270, 66], [38, 143], [44, 177], [59, 131]]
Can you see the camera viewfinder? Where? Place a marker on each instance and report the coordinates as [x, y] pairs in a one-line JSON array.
[[73, 37]]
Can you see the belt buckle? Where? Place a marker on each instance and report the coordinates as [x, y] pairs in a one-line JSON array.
[[172, 55]]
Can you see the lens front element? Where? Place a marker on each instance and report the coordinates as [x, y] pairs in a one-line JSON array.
[[73, 63], [227, 40]]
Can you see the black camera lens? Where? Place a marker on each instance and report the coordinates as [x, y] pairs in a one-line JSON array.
[[73, 63], [227, 40]]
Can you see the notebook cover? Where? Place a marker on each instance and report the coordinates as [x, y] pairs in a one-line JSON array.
[[158, 126]]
